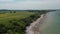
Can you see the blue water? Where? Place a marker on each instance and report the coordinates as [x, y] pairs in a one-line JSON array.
[[51, 23]]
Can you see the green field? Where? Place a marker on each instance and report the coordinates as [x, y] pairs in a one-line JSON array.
[[15, 15], [19, 15]]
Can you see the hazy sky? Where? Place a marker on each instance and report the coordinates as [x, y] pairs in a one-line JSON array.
[[30, 4]]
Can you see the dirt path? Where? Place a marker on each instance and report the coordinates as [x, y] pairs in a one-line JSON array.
[[34, 27]]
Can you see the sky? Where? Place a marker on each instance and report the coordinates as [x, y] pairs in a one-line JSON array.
[[29, 4]]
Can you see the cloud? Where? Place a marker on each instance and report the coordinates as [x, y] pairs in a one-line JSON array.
[[6, 0], [41, 0], [32, 5]]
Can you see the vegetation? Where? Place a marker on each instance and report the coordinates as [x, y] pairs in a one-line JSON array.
[[15, 22]]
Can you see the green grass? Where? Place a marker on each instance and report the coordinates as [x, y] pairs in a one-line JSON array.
[[18, 15], [15, 15]]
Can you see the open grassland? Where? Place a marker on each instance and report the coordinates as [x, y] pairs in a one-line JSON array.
[[17, 15]]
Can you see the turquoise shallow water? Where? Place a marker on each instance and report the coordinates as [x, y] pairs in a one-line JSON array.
[[51, 23]]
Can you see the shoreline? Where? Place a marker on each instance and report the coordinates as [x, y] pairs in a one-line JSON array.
[[34, 27]]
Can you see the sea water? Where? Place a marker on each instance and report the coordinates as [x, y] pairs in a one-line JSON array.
[[51, 23]]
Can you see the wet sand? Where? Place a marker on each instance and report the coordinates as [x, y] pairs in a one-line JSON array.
[[34, 27]]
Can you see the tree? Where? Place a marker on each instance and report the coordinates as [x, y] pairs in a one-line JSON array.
[[14, 11], [3, 29]]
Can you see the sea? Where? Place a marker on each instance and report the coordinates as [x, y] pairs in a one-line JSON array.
[[51, 23]]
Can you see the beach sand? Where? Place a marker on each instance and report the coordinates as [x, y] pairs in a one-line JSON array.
[[34, 27]]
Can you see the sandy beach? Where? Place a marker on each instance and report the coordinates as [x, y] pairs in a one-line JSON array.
[[34, 27]]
